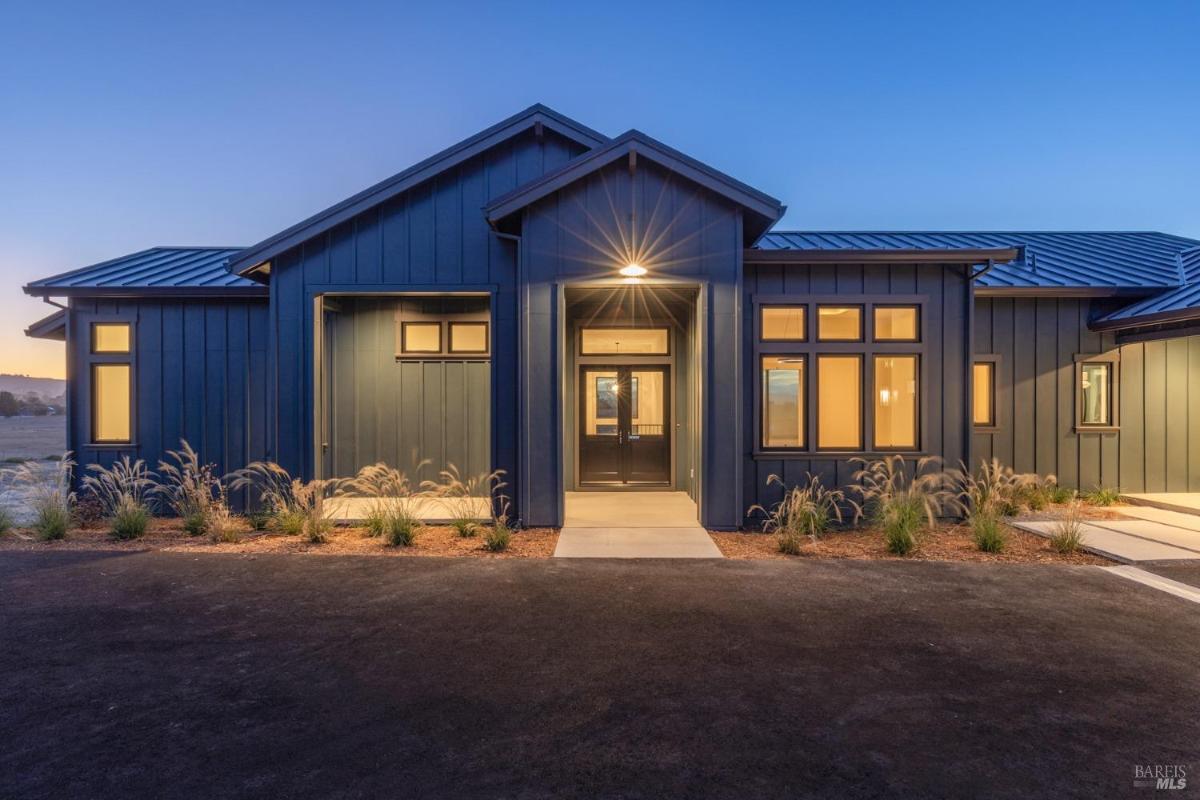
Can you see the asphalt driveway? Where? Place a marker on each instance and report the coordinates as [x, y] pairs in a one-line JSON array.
[[177, 675]]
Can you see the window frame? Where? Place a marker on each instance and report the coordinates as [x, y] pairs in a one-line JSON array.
[[487, 337], [761, 310], [863, 392], [874, 333], [438, 323], [812, 347], [993, 360], [862, 321], [94, 324], [91, 360], [917, 375], [581, 353], [1113, 360], [806, 373]]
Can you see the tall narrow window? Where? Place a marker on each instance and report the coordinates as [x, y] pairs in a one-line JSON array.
[[839, 323], [983, 392], [1095, 390], [783, 324], [782, 401], [895, 402], [111, 403], [839, 402]]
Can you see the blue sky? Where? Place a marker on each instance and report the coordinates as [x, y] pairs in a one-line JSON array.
[[138, 124]]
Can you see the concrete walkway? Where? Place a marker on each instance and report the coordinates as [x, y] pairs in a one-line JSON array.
[[1144, 534], [1187, 502]]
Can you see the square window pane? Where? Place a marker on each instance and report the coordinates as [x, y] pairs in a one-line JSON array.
[[422, 337], [783, 401], [624, 341], [783, 323], [896, 324], [839, 323], [839, 402], [110, 337], [468, 337], [1095, 386], [111, 402], [895, 402], [983, 391]]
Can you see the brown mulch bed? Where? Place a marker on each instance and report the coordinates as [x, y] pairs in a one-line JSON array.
[[168, 536], [944, 543]]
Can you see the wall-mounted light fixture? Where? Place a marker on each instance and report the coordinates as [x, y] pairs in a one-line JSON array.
[[633, 270]]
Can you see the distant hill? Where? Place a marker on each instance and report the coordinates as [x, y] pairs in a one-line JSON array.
[[21, 385]]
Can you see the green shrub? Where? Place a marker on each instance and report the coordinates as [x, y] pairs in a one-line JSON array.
[[1068, 531], [130, 520], [1104, 496], [806, 510], [497, 538], [196, 523], [221, 523], [50, 496], [6, 520], [1061, 494], [900, 503], [258, 520], [988, 532], [290, 523]]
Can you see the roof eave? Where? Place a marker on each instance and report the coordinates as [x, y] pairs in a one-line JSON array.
[[424, 170], [53, 327], [1066, 291], [1145, 320], [896, 256], [46, 292]]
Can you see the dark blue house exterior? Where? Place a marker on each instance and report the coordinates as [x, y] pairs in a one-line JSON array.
[[593, 313]]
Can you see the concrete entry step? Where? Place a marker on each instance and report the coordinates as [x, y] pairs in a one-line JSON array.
[[629, 509], [1180, 502], [690, 542]]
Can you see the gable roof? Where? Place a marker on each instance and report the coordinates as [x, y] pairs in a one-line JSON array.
[[764, 210], [1135, 260], [468, 148], [159, 271]]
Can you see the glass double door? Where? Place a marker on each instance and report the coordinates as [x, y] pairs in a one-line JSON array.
[[625, 425]]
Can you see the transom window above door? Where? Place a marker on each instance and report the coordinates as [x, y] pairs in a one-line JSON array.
[[624, 342]]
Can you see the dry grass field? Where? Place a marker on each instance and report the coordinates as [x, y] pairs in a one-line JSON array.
[[23, 438]]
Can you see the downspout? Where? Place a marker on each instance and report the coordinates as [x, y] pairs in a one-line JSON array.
[[46, 299], [969, 367]]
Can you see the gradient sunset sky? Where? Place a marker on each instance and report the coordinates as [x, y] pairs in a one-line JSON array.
[[124, 126]]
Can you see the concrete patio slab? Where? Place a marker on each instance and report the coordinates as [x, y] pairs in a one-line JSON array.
[[1112, 544], [1189, 522], [1154, 531], [1185, 502], [629, 509], [1181, 590], [691, 542]]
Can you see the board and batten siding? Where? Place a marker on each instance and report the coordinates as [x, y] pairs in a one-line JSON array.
[[1157, 446], [433, 237], [945, 326], [200, 372], [680, 232], [401, 411]]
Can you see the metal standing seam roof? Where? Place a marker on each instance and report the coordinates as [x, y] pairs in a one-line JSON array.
[[157, 270], [1051, 259], [1182, 302]]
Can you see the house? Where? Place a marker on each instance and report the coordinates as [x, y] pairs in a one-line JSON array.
[[595, 313]]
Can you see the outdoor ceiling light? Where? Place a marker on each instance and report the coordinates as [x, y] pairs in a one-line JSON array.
[[633, 270]]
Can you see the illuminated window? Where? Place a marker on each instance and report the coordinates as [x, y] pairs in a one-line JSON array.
[[783, 324], [895, 402], [421, 337], [839, 402], [839, 323], [1095, 393], [468, 337], [110, 337], [624, 341], [783, 401], [896, 324], [111, 403], [983, 390]]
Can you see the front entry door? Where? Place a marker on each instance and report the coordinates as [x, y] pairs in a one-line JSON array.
[[625, 425]]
